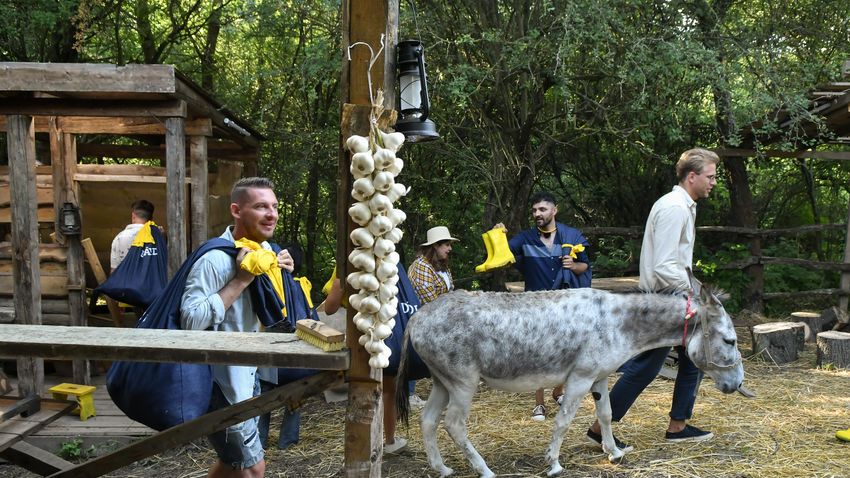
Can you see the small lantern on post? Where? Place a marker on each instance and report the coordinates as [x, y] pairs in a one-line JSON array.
[[414, 105], [69, 220]]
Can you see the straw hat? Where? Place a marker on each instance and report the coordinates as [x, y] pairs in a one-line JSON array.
[[437, 234]]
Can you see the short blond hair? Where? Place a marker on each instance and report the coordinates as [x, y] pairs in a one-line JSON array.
[[694, 160]]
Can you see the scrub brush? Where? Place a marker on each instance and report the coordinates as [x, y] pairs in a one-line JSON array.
[[317, 334]]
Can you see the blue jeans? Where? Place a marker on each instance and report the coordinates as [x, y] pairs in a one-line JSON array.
[[642, 369], [411, 387], [290, 424]]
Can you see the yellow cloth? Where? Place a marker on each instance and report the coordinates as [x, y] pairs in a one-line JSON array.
[[574, 249], [144, 235], [262, 261], [306, 288]]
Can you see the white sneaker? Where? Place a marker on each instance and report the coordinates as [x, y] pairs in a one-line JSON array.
[[395, 447], [416, 402], [539, 413]]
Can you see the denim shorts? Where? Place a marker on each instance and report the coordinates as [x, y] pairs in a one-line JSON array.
[[238, 445]]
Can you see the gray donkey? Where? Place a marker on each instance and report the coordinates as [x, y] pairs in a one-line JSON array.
[[520, 342]]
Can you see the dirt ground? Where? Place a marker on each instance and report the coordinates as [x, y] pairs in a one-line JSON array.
[[787, 431]]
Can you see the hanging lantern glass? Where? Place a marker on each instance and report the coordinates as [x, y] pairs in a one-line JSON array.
[[414, 106]]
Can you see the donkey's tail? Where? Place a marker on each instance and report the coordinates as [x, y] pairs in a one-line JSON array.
[[402, 392]]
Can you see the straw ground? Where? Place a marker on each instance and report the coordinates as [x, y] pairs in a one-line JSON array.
[[788, 431]]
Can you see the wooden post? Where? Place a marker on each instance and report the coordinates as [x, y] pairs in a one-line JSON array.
[[26, 283], [200, 190], [63, 158], [844, 283], [175, 168], [362, 21]]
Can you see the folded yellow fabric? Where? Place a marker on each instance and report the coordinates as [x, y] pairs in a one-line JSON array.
[[144, 235], [574, 249], [262, 261]]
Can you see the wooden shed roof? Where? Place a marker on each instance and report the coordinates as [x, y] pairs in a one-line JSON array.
[[91, 90]]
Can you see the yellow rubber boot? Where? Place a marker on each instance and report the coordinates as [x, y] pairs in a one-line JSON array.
[[843, 435], [502, 254], [489, 246]]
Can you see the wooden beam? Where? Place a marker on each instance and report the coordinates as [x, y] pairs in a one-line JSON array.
[[215, 149], [34, 459], [26, 283], [158, 345], [104, 108], [63, 156], [772, 153], [87, 78], [362, 21], [171, 438], [199, 190], [122, 125], [175, 165], [100, 276], [121, 178]]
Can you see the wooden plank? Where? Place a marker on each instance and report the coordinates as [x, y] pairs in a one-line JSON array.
[[43, 215], [175, 146], [48, 286], [26, 283], [46, 268], [119, 178], [46, 252], [63, 155], [7, 316], [154, 345], [25, 406], [34, 459], [87, 78], [216, 149], [100, 276], [100, 108], [43, 196], [124, 126], [121, 169], [200, 191], [17, 428], [204, 425], [48, 306]]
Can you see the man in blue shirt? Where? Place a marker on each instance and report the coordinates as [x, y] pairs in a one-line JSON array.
[[550, 256], [216, 297]]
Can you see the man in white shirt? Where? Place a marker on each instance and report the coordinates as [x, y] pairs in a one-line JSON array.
[[665, 259], [140, 212]]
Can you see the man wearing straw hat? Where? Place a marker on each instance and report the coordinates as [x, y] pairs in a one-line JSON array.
[[430, 273]]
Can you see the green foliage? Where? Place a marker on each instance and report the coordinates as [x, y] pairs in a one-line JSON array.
[[73, 450]]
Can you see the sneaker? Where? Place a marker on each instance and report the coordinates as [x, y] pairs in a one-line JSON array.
[[596, 439], [416, 402], [539, 413], [689, 433], [395, 447], [843, 435]]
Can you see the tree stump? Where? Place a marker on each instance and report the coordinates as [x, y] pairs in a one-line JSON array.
[[812, 321], [834, 348], [778, 342]]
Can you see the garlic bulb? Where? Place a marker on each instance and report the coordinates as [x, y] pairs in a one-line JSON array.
[[360, 213], [362, 259], [380, 204], [363, 163], [357, 144], [396, 192], [383, 158], [392, 141], [382, 247], [397, 216], [362, 189], [380, 225], [383, 181], [361, 237]]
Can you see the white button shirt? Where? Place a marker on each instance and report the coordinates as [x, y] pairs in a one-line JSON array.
[[667, 252]]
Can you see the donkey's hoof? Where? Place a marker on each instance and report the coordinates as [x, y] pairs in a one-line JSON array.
[[616, 459], [445, 471], [556, 470]]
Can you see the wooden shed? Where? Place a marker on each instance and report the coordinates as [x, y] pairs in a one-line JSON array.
[[99, 137]]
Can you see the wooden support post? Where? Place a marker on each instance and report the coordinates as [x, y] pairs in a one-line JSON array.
[[362, 21], [63, 158], [844, 282], [834, 348], [26, 287], [175, 167], [812, 321], [200, 190], [778, 342]]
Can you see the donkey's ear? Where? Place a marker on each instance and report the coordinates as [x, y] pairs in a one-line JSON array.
[[696, 285]]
